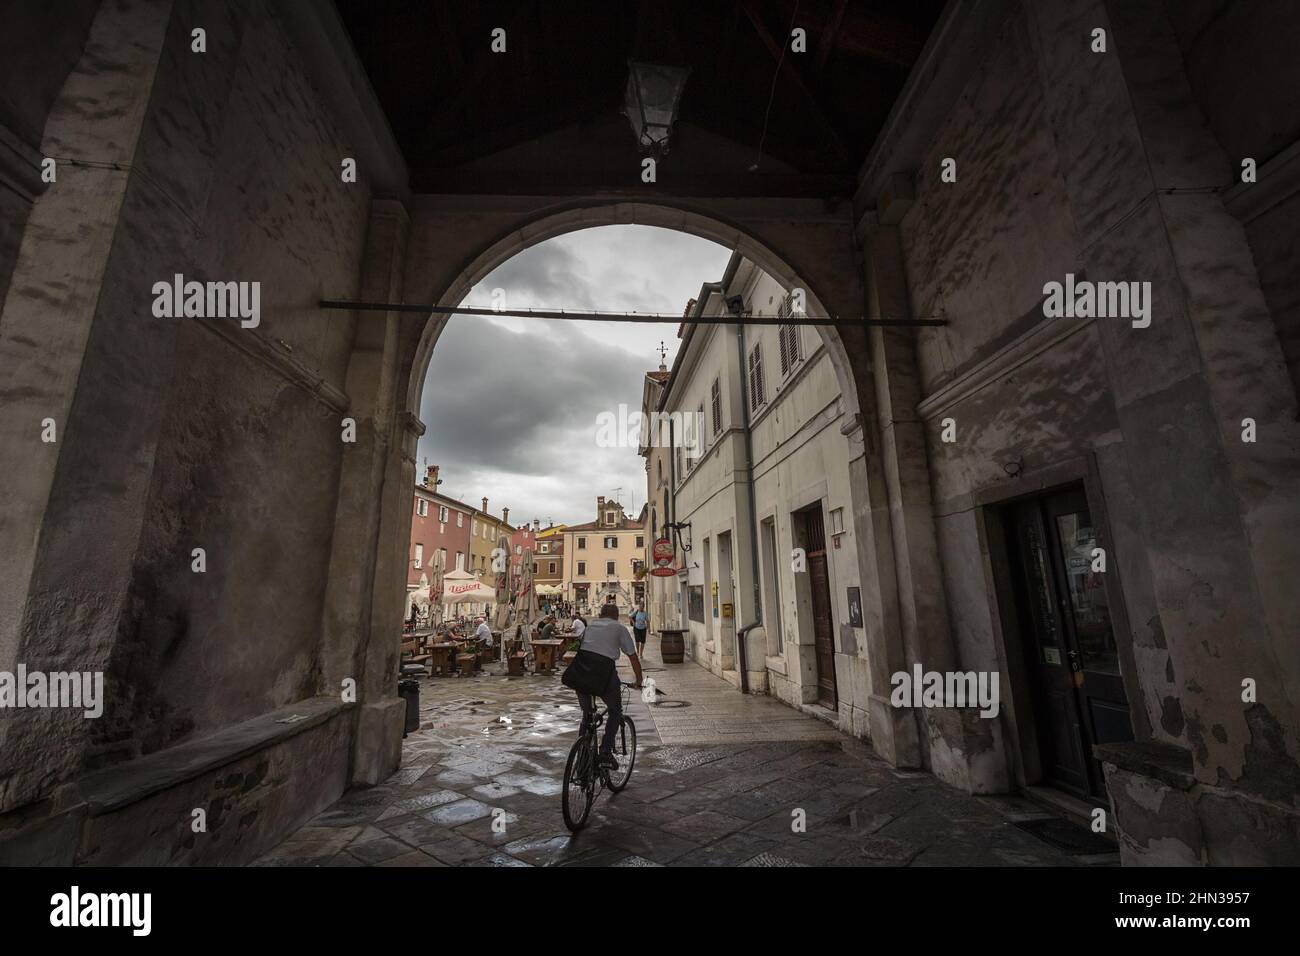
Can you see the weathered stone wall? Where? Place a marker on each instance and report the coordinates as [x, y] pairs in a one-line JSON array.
[[40, 43], [248, 458], [183, 433], [1104, 165]]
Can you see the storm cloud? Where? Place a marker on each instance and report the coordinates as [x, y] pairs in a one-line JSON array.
[[511, 404]]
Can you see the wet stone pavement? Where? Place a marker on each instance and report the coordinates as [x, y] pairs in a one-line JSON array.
[[717, 782]]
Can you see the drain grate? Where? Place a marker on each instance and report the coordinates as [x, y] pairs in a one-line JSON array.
[[671, 704], [1068, 837]]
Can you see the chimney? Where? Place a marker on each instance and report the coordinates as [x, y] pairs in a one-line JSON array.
[[600, 506], [431, 477], [537, 525], [505, 515], [485, 506]]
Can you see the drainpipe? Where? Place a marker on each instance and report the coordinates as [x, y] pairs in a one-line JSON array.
[[743, 633]]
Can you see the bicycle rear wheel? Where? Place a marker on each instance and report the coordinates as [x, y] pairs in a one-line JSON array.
[[625, 752], [579, 784]]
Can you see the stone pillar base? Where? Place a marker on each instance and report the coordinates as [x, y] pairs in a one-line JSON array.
[[893, 733], [377, 748], [967, 750]]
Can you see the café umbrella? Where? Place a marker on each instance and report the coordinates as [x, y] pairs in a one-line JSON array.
[[468, 591]]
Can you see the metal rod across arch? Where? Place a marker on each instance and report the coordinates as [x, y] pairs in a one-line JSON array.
[[588, 316]]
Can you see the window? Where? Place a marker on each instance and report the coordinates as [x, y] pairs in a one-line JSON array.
[[419, 555], [442, 554], [460, 560], [757, 390], [551, 569], [582, 543], [699, 430], [609, 517], [640, 540], [421, 507], [442, 513], [519, 549], [609, 569], [788, 335], [460, 519], [535, 567], [715, 399], [582, 569], [544, 547], [611, 541]]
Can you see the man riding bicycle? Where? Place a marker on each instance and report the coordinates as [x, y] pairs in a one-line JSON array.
[[607, 637]]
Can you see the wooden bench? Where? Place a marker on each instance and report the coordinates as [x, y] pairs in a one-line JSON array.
[[411, 656]]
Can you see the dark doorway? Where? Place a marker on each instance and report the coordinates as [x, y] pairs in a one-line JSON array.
[[813, 535], [1069, 644]]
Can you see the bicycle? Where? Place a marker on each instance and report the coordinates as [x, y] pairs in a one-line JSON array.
[[583, 779]]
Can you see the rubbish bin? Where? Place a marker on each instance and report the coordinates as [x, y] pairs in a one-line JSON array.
[[409, 690]]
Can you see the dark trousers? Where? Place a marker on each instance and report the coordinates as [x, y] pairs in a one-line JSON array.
[[613, 698]]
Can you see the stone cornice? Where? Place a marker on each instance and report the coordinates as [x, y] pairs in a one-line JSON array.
[[278, 361]]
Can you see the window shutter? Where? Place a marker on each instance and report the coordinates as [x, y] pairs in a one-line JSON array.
[[757, 394], [717, 407]]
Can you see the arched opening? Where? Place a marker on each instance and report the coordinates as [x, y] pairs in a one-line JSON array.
[[812, 254], [535, 226]]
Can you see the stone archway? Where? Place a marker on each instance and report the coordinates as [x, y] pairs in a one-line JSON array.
[[435, 254]]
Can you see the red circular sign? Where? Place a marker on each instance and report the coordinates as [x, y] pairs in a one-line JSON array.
[[663, 553]]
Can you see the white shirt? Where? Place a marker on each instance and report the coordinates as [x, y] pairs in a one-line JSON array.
[[607, 637], [578, 627], [484, 633]]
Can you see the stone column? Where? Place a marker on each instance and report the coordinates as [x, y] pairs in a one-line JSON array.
[[1145, 178], [360, 634], [893, 730], [81, 348]]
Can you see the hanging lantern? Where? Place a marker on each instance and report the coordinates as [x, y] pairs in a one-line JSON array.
[[654, 93]]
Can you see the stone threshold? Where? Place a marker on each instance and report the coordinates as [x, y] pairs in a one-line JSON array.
[[824, 714], [112, 788]]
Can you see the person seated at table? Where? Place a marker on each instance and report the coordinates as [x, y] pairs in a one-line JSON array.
[[549, 630], [578, 626], [483, 632]]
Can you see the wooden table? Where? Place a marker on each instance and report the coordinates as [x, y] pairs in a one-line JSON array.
[[440, 658], [544, 655]]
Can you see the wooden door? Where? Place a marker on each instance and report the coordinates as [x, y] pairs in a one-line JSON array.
[[814, 537], [1069, 643]]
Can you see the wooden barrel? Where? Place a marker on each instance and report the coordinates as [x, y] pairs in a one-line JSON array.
[[672, 648]]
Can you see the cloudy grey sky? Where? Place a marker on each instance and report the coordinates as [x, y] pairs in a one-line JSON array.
[[511, 404]]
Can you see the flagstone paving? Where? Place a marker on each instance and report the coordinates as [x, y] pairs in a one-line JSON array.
[[720, 780]]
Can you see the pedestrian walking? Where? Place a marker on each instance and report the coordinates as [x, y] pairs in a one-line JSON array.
[[640, 626]]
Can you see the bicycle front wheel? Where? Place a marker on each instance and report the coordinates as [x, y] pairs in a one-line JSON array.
[[579, 784], [625, 752]]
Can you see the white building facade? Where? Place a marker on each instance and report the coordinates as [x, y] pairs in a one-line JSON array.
[[767, 578]]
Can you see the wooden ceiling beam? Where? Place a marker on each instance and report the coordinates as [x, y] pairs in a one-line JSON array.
[[796, 77], [829, 35]]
